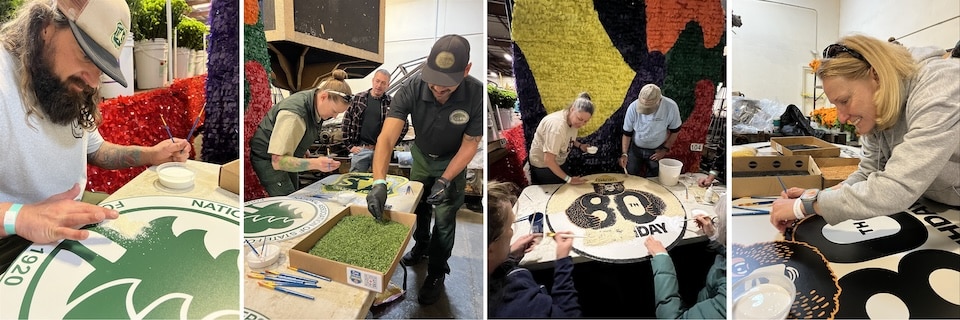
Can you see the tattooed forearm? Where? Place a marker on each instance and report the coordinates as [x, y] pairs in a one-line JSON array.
[[290, 164], [111, 156]]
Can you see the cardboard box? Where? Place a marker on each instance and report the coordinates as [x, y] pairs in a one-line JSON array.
[[372, 280], [825, 163], [230, 176], [824, 150], [757, 176]]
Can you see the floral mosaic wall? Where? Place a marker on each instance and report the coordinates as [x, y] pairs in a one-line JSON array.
[[256, 90], [611, 49]]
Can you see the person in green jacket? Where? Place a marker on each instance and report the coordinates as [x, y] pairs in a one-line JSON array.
[[278, 149], [712, 299]]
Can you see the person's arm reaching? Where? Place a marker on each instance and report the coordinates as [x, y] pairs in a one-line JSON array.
[[294, 164], [112, 156], [56, 218], [386, 141]]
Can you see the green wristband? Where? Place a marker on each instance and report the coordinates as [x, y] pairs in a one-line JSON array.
[[10, 219]]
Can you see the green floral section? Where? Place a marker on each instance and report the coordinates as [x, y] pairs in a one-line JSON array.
[[363, 242]]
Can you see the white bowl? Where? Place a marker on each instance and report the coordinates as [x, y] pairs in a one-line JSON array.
[[592, 150], [269, 255], [175, 175], [763, 295]]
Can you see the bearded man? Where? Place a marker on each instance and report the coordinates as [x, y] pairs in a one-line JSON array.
[[50, 65]]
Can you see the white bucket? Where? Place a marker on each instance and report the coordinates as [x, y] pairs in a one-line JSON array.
[[182, 69], [112, 89], [150, 57], [670, 171], [203, 62]]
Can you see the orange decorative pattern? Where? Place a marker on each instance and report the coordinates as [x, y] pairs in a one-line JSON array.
[[667, 18], [251, 11]]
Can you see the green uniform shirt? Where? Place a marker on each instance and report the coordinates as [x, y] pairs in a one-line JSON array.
[[440, 128], [301, 104]]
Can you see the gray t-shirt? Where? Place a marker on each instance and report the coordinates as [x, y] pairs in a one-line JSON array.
[[40, 159]]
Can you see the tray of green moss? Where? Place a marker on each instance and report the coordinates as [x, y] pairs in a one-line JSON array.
[[363, 242]]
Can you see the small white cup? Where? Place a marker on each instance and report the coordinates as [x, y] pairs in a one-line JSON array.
[[592, 150]]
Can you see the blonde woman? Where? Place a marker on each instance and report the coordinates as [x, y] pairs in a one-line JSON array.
[[906, 106], [556, 134], [278, 148]]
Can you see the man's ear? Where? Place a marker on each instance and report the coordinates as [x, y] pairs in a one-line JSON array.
[[467, 70]]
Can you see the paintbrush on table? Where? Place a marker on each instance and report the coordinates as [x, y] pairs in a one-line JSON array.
[[551, 234]]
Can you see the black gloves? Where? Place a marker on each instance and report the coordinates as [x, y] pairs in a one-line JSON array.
[[439, 191], [377, 199]]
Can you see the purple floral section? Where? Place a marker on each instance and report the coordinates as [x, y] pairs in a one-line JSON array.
[[221, 132]]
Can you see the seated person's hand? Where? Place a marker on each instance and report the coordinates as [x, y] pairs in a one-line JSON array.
[[564, 245], [706, 181], [792, 193], [654, 246], [524, 244], [706, 224]]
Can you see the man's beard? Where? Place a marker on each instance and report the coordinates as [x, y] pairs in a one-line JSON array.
[[58, 101]]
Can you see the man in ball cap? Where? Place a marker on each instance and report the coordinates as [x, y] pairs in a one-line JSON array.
[[650, 128], [445, 105], [50, 65]]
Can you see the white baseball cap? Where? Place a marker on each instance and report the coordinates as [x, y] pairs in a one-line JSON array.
[[100, 27], [649, 99]]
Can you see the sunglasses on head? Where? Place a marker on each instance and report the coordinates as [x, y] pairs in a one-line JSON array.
[[835, 49], [347, 97]]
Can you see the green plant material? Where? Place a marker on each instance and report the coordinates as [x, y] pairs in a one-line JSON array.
[[8, 9], [363, 242], [190, 33], [151, 18], [500, 98]]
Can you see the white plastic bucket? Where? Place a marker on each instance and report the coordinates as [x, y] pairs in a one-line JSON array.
[[670, 171], [112, 89], [194, 64], [150, 57], [182, 69]]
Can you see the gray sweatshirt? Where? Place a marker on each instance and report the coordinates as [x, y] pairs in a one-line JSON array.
[[918, 156]]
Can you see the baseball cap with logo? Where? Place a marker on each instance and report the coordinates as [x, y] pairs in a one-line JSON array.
[[100, 27], [447, 61], [649, 99]]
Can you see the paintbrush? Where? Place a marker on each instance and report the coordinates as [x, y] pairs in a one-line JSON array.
[[551, 234], [252, 248], [782, 185], [168, 128], [285, 290], [195, 122], [755, 203]]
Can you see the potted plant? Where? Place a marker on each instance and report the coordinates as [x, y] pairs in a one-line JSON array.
[[190, 34], [150, 33], [8, 9], [505, 101]]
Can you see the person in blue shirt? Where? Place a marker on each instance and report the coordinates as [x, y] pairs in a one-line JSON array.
[[650, 128]]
